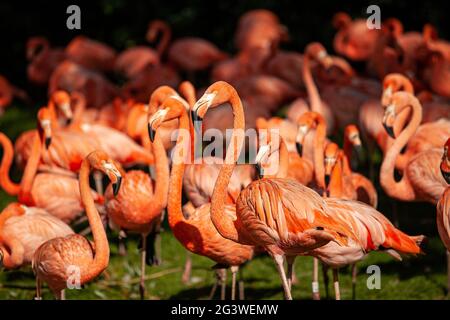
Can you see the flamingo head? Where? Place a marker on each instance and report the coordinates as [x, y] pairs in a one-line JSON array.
[[318, 53], [392, 83], [351, 134], [305, 123], [330, 157], [99, 160], [172, 108], [269, 144], [62, 101], [45, 126]]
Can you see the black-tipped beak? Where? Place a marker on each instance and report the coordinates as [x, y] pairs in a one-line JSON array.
[[196, 121], [259, 171], [151, 133], [299, 147], [48, 141], [327, 180], [116, 186], [68, 121], [389, 130]]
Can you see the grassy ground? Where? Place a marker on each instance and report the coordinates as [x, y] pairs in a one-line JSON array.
[[422, 277]]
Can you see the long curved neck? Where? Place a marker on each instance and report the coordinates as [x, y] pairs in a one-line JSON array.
[[223, 223], [402, 189], [311, 88], [9, 186], [78, 110], [159, 200], [335, 186], [30, 172], [179, 157], [165, 39], [54, 118], [319, 142], [101, 258]]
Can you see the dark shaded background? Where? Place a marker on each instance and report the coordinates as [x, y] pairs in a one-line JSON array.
[[122, 23]]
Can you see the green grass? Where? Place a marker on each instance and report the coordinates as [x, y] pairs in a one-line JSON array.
[[422, 277]]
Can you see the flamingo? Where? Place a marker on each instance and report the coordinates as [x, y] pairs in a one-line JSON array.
[[137, 207], [23, 229], [133, 61], [353, 39], [54, 258], [43, 60], [91, 54], [443, 207], [70, 77], [188, 54], [196, 232], [313, 52], [56, 194], [421, 180], [8, 92], [265, 216]]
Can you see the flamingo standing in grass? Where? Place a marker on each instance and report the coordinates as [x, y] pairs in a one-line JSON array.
[[196, 232], [55, 260], [23, 229], [443, 208], [267, 211], [421, 180], [137, 207]]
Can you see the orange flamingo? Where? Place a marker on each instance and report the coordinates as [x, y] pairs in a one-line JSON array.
[[133, 61], [91, 54], [265, 216], [57, 194], [23, 229], [313, 52], [188, 54], [421, 180], [353, 39], [443, 207], [70, 77], [54, 259], [196, 232], [43, 60], [137, 207]]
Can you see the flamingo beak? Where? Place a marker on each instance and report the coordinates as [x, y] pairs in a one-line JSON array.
[[47, 132], [389, 113], [261, 157], [389, 130], [114, 175], [151, 132], [299, 147], [116, 186], [155, 121]]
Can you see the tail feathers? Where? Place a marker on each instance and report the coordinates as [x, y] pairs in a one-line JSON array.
[[401, 242]]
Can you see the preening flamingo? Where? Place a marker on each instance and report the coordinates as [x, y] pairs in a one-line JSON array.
[[139, 204], [55, 260], [443, 207], [23, 229], [267, 211], [195, 232], [421, 180]]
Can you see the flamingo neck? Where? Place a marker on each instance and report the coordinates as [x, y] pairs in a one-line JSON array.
[[179, 157], [313, 93], [10, 247], [30, 172], [53, 115], [78, 111], [319, 142], [335, 186], [402, 189], [9, 186], [223, 223], [101, 257]]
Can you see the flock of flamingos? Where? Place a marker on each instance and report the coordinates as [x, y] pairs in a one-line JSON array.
[[315, 204]]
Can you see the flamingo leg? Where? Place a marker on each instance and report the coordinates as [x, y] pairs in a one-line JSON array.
[[158, 230], [354, 277], [315, 282], [223, 283], [290, 270], [186, 278], [60, 295], [234, 270], [337, 292], [38, 289], [448, 273], [143, 263], [241, 285], [214, 287], [326, 280], [279, 262]]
